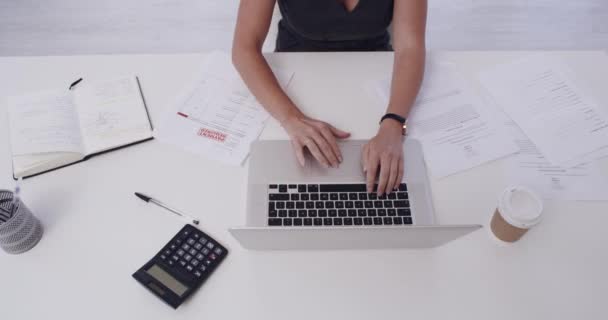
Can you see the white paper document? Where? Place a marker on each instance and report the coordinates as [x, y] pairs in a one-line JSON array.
[[455, 130], [530, 168], [217, 117], [537, 93]]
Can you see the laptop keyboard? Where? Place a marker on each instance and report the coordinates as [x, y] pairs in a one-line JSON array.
[[302, 205]]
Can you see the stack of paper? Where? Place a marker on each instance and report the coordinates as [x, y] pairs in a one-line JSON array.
[[217, 116], [456, 131], [559, 130]]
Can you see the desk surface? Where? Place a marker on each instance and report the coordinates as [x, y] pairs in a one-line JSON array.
[[97, 233]]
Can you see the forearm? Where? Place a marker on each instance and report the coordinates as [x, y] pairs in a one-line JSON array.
[[408, 71], [260, 80]]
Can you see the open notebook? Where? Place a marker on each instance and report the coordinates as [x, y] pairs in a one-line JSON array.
[[54, 128]]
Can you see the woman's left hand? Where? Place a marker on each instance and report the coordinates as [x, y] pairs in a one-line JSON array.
[[384, 154]]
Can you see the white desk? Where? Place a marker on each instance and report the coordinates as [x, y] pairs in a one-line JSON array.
[[97, 233]]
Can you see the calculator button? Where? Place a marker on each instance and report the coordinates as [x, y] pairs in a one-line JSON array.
[[180, 252], [200, 256], [207, 262], [182, 263], [175, 258], [196, 236], [210, 245], [189, 268], [187, 257], [198, 246], [186, 233], [202, 241], [205, 251], [164, 257], [194, 262], [171, 263], [212, 256], [191, 241], [173, 247], [218, 251], [192, 252], [198, 274], [186, 247], [167, 252], [203, 268]]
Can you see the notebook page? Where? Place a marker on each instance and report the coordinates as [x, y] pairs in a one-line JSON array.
[[43, 122], [112, 114]]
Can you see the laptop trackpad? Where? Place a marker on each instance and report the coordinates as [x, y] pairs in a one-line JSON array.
[[350, 170]]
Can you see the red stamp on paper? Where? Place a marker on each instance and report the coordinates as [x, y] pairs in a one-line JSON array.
[[211, 134]]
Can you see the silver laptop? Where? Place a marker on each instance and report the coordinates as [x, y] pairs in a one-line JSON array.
[[311, 207]]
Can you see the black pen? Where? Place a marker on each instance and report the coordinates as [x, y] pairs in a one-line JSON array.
[[160, 204]]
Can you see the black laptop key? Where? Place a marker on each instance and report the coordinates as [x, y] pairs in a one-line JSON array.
[[272, 213], [352, 212], [322, 213], [342, 213], [372, 196], [397, 220], [382, 212], [293, 186], [402, 204], [290, 205], [312, 213], [313, 188], [388, 204], [337, 221], [287, 222], [378, 204], [301, 213], [349, 204], [317, 221], [402, 195], [333, 196], [308, 221], [403, 187], [280, 205], [367, 221], [392, 196], [358, 221], [343, 196], [278, 196], [314, 197], [339, 204], [377, 221], [404, 212], [358, 204], [304, 197], [301, 188], [292, 213], [282, 188], [329, 205], [297, 222], [295, 197], [371, 212], [362, 213], [319, 205], [368, 204], [352, 196], [310, 205], [348, 221], [333, 213], [383, 197], [271, 206], [324, 196], [300, 205], [391, 212], [328, 221], [388, 220], [275, 222], [362, 196], [407, 220], [343, 188], [282, 213], [272, 186]]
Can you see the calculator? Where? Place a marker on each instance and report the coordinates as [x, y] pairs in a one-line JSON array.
[[182, 266]]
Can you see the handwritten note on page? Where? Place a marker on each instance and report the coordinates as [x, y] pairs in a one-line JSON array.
[[455, 130], [546, 104], [217, 117]]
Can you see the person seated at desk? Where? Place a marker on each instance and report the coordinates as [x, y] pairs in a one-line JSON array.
[[337, 25]]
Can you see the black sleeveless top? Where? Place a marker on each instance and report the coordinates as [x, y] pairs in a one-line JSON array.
[[326, 25]]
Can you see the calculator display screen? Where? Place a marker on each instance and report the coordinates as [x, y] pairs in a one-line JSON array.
[[167, 280]]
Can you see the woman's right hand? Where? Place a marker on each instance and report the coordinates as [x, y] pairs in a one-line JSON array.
[[318, 136]]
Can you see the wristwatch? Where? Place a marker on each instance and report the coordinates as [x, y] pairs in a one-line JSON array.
[[398, 118]]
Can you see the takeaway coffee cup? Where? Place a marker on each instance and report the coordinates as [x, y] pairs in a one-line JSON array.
[[519, 209]]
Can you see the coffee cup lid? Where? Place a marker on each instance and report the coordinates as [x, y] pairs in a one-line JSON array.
[[520, 207]]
